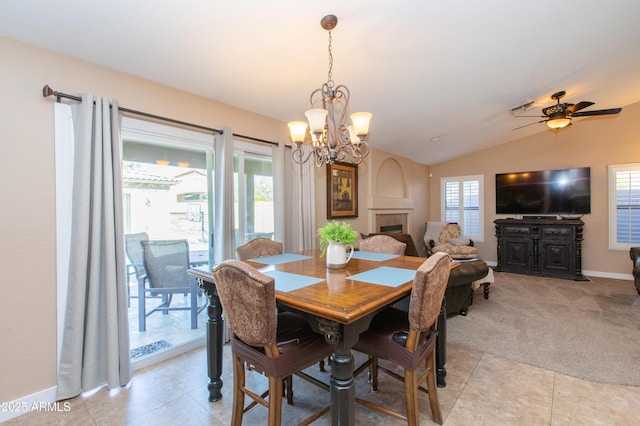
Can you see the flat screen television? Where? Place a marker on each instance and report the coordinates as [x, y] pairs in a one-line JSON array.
[[560, 192]]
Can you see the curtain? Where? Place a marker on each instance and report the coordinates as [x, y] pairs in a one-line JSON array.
[[224, 246], [301, 219], [278, 162], [95, 342]]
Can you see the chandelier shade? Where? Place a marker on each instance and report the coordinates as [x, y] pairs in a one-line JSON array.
[[332, 139]]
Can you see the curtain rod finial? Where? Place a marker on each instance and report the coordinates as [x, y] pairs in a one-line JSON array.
[[47, 91]]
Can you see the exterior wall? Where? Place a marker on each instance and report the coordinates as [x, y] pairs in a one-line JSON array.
[[593, 142]]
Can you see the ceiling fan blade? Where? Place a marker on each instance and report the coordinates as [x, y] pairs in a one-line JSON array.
[[530, 124], [579, 106], [597, 112]]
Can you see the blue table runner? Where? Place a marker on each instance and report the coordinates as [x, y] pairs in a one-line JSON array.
[[280, 258], [286, 281], [385, 275], [378, 257]]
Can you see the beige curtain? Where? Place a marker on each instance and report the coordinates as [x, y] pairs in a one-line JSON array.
[[95, 341], [300, 204]]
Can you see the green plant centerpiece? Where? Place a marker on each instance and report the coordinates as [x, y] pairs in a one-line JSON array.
[[339, 232]]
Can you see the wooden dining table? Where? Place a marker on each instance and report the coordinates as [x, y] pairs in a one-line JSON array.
[[338, 303]]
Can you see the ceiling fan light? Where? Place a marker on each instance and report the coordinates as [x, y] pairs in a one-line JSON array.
[[558, 121]]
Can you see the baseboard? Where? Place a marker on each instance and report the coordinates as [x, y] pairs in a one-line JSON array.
[[42, 400], [613, 275]]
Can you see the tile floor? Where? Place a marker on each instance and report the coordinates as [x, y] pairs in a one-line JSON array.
[[482, 389]]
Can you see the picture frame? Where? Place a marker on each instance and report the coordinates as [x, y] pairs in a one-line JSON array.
[[342, 190]]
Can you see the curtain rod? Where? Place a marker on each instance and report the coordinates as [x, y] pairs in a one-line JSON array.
[[48, 91]]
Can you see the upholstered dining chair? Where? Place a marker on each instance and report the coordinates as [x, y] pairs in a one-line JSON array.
[[382, 244], [166, 263], [258, 247], [409, 340], [276, 345]]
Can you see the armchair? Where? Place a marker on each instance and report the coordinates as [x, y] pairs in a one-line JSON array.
[[448, 241], [634, 253]]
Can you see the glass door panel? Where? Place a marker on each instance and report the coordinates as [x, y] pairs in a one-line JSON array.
[[166, 194]]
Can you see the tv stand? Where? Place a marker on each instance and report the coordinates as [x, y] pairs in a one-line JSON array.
[[544, 247]]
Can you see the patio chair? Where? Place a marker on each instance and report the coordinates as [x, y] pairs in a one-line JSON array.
[[276, 345], [166, 263], [408, 340], [133, 249]]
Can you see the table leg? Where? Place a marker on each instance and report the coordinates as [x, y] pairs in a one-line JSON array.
[[215, 340], [342, 387], [342, 338], [441, 346]]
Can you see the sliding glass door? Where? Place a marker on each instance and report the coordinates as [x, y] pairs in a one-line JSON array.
[[167, 195]]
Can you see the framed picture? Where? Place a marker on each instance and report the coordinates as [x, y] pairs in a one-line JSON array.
[[342, 190]]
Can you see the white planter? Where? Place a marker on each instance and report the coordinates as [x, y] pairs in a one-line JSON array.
[[337, 255]]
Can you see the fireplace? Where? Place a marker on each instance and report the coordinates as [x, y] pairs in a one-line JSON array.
[[391, 229], [391, 222]]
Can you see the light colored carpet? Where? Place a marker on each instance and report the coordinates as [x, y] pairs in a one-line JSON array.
[[587, 330]]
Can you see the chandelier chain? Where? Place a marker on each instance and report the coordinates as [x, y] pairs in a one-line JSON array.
[[330, 75]]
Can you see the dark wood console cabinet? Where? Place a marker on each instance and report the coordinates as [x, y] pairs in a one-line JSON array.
[[545, 247]]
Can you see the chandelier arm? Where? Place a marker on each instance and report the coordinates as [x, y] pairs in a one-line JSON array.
[[298, 155]]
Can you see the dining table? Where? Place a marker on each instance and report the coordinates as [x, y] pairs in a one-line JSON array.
[[338, 303]]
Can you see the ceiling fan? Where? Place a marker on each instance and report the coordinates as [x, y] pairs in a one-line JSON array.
[[559, 116]]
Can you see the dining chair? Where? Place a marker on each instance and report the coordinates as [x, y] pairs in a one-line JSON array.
[[274, 344], [408, 339], [258, 247], [166, 263], [382, 244]]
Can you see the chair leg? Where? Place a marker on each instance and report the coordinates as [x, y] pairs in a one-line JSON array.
[[288, 384], [373, 373], [411, 394], [142, 316], [432, 387], [275, 401], [238, 394]]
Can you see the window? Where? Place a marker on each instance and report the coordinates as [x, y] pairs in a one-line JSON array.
[[462, 202], [253, 192], [624, 206]]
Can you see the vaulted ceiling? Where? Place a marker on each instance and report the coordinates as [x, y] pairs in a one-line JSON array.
[[440, 77]]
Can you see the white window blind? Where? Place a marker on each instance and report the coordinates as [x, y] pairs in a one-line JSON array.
[[624, 206], [462, 203]]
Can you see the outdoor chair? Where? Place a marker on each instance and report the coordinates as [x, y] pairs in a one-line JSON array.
[[276, 345], [382, 244], [133, 249], [166, 263], [258, 247], [408, 340]]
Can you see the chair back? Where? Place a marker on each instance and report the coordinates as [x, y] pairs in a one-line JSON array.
[[382, 244], [249, 301], [429, 285], [133, 248], [258, 247], [449, 231], [166, 263]]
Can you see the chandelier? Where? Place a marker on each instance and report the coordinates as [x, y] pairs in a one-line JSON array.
[[331, 138]]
